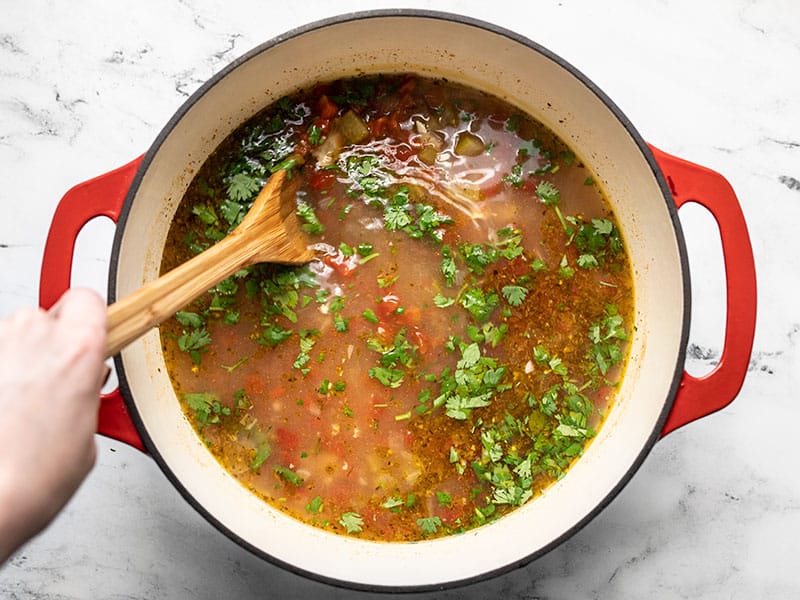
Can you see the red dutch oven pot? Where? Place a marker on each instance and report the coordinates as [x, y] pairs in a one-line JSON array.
[[645, 186]]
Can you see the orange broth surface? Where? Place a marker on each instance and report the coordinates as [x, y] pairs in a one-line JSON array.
[[456, 343]]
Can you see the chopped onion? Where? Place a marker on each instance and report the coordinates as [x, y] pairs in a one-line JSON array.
[[353, 127], [468, 144]]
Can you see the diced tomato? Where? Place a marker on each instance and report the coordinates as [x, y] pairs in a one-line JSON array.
[[378, 127], [448, 514], [408, 86], [255, 385], [335, 444], [344, 265], [277, 391], [419, 339], [386, 126], [387, 307], [412, 315], [288, 441], [530, 184], [403, 152], [327, 108], [321, 180], [493, 186], [338, 494], [498, 119], [408, 439]]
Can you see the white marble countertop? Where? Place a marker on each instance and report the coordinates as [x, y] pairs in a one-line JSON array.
[[715, 510]]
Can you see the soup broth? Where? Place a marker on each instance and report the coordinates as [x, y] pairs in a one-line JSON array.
[[458, 340]]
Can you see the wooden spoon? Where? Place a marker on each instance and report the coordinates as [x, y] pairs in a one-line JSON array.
[[269, 232]]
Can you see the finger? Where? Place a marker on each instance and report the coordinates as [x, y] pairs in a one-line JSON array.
[[80, 306], [26, 314]]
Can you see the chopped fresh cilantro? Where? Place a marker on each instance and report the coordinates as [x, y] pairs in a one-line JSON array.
[[193, 342], [242, 187], [389, 377], [315, 506], [478, 303], [448, 266], [189, 319], [207, 408], [236, 365], [315, 135], [514, 294], [442, 302], [273, 334], [311, 223], [429, 525], [289, 475], [385, 281], [548, 193], [205, 213], [352, 522], [263, 452], [393, 502], [564, 269], [515, 177]]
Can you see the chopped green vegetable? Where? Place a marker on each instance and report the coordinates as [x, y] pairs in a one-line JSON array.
[[315, 506], [207, 408], [429, 525], [289, 475], [514, 294], [242, 187], [263, 452], [352, 522]]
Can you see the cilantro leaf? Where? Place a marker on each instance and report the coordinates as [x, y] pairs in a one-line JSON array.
[[514, 294], [263, 452], [194, 340], [448, 266], [242, 186], [548, 193], [206, 406], [442, 302], [232, 212], [352, 522], [515, 177], [205, 213], [429, 525], [479, 304], [393, 502], [315, 506], [396, 217], [289, 475], [273, 334], [189, 319], [391, 378], [311, 223]]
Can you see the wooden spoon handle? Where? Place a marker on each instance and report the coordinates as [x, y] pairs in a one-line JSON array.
[[161, 298]]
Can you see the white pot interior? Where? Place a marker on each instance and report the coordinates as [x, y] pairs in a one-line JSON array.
[[536, 83]]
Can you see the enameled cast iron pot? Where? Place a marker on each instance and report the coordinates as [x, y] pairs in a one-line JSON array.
[[645, 187]]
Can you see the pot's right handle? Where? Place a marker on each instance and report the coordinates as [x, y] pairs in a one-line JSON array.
[[101, 196], [701, 396]]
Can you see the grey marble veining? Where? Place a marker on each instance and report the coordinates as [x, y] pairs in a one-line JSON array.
[[715, 510]]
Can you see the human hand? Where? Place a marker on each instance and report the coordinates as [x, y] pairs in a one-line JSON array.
[[51, 372]]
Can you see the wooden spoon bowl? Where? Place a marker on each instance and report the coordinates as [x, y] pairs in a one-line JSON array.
[[269, 232]]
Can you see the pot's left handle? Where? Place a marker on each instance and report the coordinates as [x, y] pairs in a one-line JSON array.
[[99, 197]]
